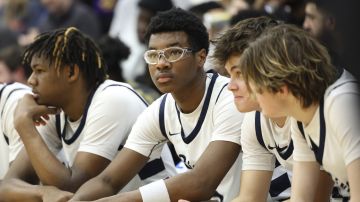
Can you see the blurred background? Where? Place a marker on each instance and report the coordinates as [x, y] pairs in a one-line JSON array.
[[118, 26]]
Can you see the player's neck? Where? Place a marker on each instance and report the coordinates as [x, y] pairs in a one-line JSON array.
[[305, 115], [192, 95], [77, 100], [280, 122]]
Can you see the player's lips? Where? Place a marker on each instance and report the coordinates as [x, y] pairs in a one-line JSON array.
[[238, 96], [35, 92], [164, 77]]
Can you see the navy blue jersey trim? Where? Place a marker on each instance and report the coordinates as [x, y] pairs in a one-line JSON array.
[[58, 125], [279, 185], [203, 113], [221, 92], [258, 129], [82, 122], [301, 128], [120, 147], [6, 139], [284, 155], [161, 116], [152, 168], [139, 96], [320, 153], [318, 150]]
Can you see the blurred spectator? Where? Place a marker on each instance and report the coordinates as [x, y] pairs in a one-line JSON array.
[[147, 10], [21, 15], [104, 9], [66, 13], [135, 68], [7, 37], [234, 6], [216, 19], [347, 20], [200, 9], [124, 25], [284, 10], [214, 16], [321, 24], [114, 51], [11, 68], [245, 14]]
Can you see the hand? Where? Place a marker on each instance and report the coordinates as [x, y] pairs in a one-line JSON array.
[[28, 111], [53, 194]]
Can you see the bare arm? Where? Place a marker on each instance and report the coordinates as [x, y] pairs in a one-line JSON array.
[[18, 183], [305, 181], [195, 185], [121, 170], [47, 167], [254, 185], [17, 190], [200, 183], [353, 171], [324, 188]]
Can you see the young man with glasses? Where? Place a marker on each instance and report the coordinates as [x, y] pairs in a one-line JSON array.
[[196, 114]]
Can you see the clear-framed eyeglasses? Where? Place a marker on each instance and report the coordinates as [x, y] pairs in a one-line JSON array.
[[171, 54]]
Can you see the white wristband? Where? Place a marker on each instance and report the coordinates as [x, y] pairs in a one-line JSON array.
[[155, 191]]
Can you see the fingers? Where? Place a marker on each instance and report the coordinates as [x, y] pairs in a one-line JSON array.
[[41, 120]]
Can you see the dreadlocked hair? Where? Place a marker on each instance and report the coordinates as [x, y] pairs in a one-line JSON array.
[[68, 46]]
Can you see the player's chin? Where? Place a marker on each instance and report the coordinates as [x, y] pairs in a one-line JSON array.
[[241, 107], [165, 88]]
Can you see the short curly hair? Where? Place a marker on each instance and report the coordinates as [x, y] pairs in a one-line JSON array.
[[177, 19], [237, 39]]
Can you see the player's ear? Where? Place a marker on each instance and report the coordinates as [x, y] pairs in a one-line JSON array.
[[201, 57], [284, 90], [73, 72]]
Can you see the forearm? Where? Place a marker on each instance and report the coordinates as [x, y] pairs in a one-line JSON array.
[[354, 180], [13, 190], [324, 188], [47, 167], [305, 181], [200, 183], [95, 188], [254, 185], [190, 186]]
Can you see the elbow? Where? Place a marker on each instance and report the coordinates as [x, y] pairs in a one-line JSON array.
[[108, 183]]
